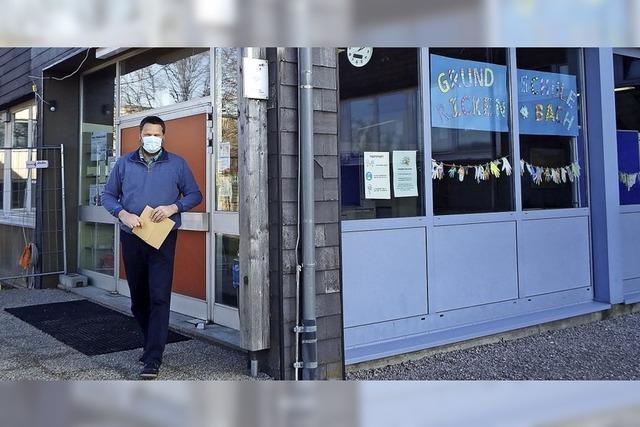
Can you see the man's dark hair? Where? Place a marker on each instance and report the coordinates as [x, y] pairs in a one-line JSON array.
[[154, 120]]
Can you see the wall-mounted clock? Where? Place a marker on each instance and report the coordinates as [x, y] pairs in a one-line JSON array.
[[359, 56]]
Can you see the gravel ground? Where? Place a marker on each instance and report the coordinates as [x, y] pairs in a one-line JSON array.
[[27, 353], [604, 350]]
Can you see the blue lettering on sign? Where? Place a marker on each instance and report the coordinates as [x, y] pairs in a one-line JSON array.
[[547, 103], [468, 95]]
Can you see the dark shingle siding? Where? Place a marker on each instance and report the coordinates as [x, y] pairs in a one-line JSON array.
[[327, 231], [16, 67]]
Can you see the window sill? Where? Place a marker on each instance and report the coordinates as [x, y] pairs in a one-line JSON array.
[[18, 219]]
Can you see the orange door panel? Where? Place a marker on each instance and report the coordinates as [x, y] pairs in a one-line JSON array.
[[185, 137]]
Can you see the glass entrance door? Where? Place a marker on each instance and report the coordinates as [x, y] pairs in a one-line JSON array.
[[97, 156], [186, 136]]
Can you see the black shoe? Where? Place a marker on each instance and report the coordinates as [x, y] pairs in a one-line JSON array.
[[150, 371], [141, 360]]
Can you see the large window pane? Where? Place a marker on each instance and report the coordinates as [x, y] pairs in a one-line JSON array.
[[552, 145], [227, 144], [470, 138], [19, 175], [627, 93], [162, 77], [22, 136], [98, 142], [381, 148], [20, 120], [227, 269], [96, 247]]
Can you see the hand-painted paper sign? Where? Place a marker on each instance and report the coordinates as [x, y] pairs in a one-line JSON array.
[[468, 95], [548, 103]]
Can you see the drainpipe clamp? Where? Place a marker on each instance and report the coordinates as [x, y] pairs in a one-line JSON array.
[[305, 328], [301, 365]]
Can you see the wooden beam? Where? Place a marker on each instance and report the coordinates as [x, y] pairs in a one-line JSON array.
[[254, 222]]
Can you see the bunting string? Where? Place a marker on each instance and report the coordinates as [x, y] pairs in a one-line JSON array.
[[484, 171], [628, 179], [559, 175], [481, 172]]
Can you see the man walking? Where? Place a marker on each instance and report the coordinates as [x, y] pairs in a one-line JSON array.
[[150, 176]]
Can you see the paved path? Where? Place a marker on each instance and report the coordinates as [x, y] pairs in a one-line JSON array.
[[27, 353], [603, 350]]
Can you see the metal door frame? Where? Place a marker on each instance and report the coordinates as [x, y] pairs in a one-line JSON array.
[[95, 214], [223, 223]]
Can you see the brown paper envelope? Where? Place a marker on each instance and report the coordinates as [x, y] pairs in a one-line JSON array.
[[151, 232]]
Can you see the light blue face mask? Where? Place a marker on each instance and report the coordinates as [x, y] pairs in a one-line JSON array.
[[151, 144]]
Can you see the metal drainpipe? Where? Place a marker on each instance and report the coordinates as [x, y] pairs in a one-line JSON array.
[[305, 110]]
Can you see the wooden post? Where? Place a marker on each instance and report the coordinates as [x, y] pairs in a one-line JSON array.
[[254, 223]]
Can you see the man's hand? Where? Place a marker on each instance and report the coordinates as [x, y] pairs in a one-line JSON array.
[[162, 212], [129, 219]]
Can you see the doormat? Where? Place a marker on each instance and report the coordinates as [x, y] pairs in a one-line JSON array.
[[87, 327]]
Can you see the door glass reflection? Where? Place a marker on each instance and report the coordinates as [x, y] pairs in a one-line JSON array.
[[96, 247], [227, 269]]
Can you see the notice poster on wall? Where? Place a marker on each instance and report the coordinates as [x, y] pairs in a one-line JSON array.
[[224, 156], [377, 183], [548, 103], [469, 95], [405, 174], [224, 186], [95, 194], [98, 146]]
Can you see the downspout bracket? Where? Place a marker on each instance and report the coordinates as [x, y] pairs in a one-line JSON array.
[[302, 328]]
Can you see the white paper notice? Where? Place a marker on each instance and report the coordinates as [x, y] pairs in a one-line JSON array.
[[224, 156], [405, 174], [98, 146], [255, 78], [377, 184]]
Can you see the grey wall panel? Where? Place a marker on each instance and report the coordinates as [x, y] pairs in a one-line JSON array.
[[631, 286], [384, 274], [630, 236], [472, 264], [554, 255]]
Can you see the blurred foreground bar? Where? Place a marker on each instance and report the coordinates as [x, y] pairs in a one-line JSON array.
[[305, 22], [334, 404]]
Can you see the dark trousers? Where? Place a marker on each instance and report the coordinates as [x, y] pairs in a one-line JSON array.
[[149, 274]]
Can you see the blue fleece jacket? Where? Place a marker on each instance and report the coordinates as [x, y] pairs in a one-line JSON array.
[[133, 184]]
